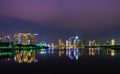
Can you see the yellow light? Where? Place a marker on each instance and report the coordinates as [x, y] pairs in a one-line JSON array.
[[93, 53], [112, 53], [112, 42]]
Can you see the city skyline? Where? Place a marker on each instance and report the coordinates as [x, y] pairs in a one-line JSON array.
[[56, 36], [30, 39], [59, 19]]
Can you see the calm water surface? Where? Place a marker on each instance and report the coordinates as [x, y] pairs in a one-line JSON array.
[[60, 60]]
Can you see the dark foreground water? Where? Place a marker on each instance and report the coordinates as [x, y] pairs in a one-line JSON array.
[[90, 60]]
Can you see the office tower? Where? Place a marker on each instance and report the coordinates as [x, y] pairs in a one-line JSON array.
[[18, 38], [60, 42], [24, 39], [90, 43], [32, 39], [112, 42], [67, 43]]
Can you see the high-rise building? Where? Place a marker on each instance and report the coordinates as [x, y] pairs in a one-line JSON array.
[[75, 42], [60, 42], [112, 42], [93, 43], [107, 43], [67, 43], [18, 38], [32, 39], [24, 38], [90, 43]]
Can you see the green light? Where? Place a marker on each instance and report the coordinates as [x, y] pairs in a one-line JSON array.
[[10, 46], [31, 50]]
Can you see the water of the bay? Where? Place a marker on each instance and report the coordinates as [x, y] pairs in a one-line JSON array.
[[60, 60]]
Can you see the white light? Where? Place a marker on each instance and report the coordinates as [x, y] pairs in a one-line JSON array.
[[76, 37], [35, 34]]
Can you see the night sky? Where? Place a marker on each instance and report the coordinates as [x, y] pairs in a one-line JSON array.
[[53, 19]]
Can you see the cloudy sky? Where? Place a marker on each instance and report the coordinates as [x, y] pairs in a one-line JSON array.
[[53, 19]]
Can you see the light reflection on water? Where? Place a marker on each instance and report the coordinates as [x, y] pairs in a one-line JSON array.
[[31, 56]]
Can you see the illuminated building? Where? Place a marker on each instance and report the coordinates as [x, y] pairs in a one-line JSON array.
[[17, 38], [42, 44], [32, 39], [82, 43], [90, 43], [24, 38], [70, 43], [112, 42], [60, 42], [5, 39], [74, 42], [67, 43], [93, 43], [52, 46], [107, 42]]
